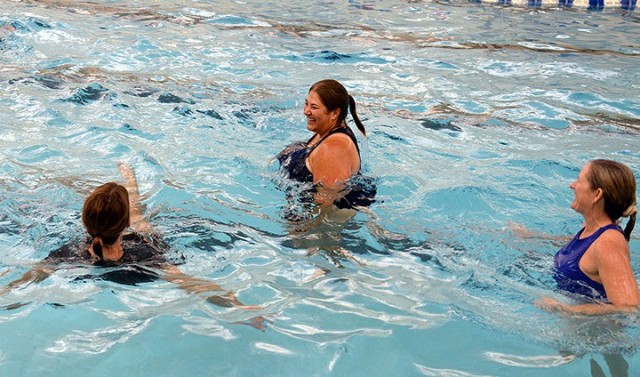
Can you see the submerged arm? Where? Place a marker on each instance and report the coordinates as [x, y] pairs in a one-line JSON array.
[[196, 285], [35, 275], [522, 232], [551, 305]]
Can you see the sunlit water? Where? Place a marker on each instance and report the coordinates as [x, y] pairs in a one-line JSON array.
[[478, 117]]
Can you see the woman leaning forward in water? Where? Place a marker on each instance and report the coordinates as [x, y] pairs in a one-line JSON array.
[[596, 265], [120, 236]]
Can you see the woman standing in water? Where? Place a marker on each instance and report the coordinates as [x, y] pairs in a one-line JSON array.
[[331, 157], [326, 170], [596, 263]]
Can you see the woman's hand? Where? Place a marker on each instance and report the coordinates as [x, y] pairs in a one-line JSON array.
[[521, 231], [551, 305], [126, 172]]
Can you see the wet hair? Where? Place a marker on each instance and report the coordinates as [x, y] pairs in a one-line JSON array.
[[334, 96], [619, 190], [105, 214]]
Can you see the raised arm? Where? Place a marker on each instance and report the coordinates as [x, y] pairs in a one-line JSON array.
[[138, 222], [172, 273]]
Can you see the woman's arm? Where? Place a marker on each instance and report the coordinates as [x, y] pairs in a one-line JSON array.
[[138, 222], [172, 273], [613, 268], [609, 264], [332, 163], [552, 305], [196, 285], [522, 232], [35, 275]]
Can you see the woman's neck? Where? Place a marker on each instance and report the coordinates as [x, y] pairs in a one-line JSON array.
[[112, 252], [595, 222], [320, 136]]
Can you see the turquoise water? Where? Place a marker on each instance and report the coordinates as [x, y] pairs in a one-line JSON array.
[[478, 117]]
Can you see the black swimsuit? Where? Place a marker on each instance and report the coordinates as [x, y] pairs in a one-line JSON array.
[[362, 190], [141, 256]]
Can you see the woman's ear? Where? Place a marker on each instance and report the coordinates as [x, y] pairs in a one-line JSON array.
[[598, 194], [335, 114]]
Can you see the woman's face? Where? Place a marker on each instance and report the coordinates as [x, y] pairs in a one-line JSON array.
[[319, 119], [583, 193]]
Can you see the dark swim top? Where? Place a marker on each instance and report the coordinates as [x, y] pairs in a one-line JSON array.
[[293, 159], [142, 254], [567, 272]]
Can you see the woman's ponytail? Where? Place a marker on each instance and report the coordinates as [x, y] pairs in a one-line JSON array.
[[632, 212], [97, 246], [354, 114]]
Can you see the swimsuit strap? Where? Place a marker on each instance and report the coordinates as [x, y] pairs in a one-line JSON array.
[[601, 230], [342, 129]]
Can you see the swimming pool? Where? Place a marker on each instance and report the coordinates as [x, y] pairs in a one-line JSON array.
[[478, 116]]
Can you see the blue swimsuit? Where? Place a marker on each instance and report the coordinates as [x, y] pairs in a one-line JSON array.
[[293, 162], [567, 272]]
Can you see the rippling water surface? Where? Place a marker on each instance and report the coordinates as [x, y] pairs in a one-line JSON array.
[[478, 117]]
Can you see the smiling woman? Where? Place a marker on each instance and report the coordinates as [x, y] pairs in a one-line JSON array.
[[332, 156], [596, 263]]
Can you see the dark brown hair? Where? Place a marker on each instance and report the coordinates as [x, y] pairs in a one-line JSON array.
[[105, 214], [334, 96], [619, 189]]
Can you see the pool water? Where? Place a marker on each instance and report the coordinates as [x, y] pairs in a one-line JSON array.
[[478, 116]]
